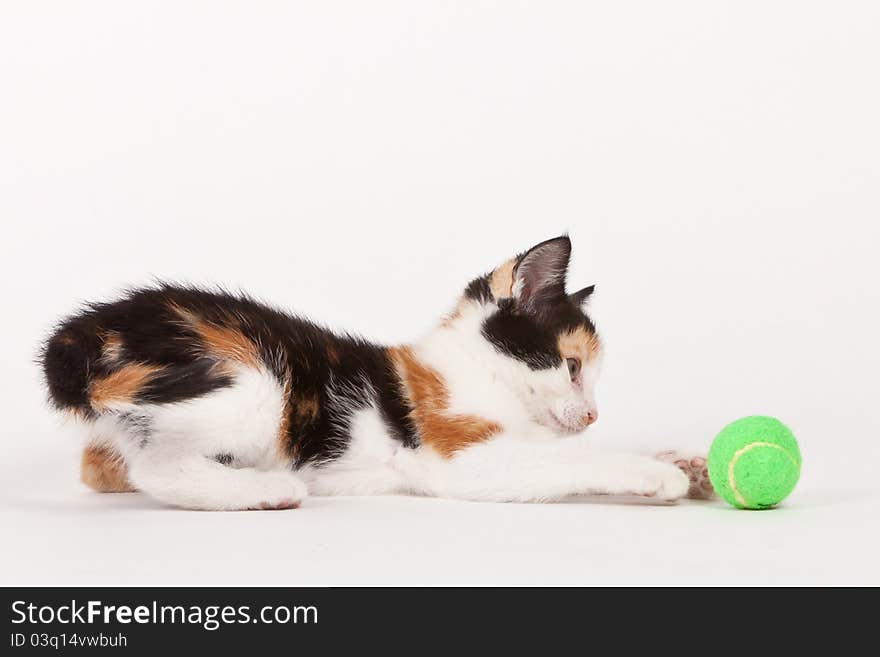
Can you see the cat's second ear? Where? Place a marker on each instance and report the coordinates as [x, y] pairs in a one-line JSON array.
[[539, 276], [581, 297]]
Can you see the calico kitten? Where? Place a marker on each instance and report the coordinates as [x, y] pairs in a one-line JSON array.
[[206, 400]]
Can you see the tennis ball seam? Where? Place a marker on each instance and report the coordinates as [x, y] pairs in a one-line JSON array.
[[731, 480]]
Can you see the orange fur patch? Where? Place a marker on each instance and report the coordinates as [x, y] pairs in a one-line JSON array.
[[221, 341], [104, 470], [425, 389], [501, 280], [120, 386], [580, 344]]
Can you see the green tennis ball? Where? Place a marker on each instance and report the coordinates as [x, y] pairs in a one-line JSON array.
[[754, 462]]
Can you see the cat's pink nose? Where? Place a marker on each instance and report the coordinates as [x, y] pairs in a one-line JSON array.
[[591, 417]]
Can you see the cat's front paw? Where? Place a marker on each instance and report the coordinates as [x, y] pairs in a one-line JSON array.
[[694, 467], [660, 480]]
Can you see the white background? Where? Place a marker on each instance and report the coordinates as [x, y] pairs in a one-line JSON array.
[[716, 164]]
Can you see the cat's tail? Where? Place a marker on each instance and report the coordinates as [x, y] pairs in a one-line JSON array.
[[90, 370], [68, 357]]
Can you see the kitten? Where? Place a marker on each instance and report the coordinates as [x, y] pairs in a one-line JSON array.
[[206, 400]]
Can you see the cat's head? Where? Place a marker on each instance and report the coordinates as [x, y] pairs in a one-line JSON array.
[[543, 344]]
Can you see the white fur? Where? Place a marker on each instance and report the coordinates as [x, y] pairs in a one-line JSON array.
[[177, 463], [573, 404], [481, 381], [513, 468]]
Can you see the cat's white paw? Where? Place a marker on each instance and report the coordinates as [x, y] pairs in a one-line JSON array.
[[277, 490], [658, 480], [674, 484]]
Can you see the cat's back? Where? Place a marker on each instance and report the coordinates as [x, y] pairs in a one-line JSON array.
[[173, 337]]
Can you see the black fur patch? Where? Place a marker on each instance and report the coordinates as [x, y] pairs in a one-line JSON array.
[[183, 381], [394, 408], [479, 289], [532, 338], [364, 375], [521, 337]]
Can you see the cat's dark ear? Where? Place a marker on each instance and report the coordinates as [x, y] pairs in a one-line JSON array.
[[580, 297], [539, 276]]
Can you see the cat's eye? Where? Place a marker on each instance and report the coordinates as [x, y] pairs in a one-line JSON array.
[[574, 367]]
